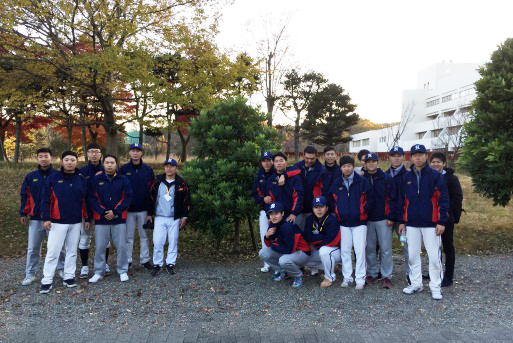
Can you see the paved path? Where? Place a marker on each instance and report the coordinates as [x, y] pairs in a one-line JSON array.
[[234, 302]]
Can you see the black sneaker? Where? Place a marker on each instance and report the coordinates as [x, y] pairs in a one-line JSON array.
[[155, 271], [446, 282], [70, 283], [170, 268], [129, 264], [148, 265], [425, 277], [45, 289]]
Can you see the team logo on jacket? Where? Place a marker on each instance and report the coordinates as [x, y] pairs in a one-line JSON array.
[[340, 188], [261, 181], [35, 180], [60, 181], [101, 183], [409, 183], [128, 173]]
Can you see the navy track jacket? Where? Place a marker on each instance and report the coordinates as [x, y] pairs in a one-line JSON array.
[[352, 205], [141, 178], [31, 192], [423, 204], [64, 198], [109, 194], [330, 174], [311, 182], [322, 232], [384, 194], [287, 239], [289, 195], [259, 187]]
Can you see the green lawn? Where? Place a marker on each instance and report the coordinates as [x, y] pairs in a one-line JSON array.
[[484, 229]]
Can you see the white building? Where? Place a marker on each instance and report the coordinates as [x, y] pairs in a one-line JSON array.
[[433, 114]]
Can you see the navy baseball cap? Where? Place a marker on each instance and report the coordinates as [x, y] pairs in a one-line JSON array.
[[136, 146], [418, 148], [266, 155], [396, 150], [319, 201], [275, 207], [371, 156], [171, 161]]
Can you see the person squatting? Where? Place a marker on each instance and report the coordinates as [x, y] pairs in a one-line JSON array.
[[65, 205], [314, 216]]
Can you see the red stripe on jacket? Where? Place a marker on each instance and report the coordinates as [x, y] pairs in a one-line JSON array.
[[54, 207], [363, 201], [436, 207], [405, 209], [387, 205], [294, 201], [30, 205], [300, 243], [271, 195], [317, 188], [84, 210], [335, 242], [125, 213]]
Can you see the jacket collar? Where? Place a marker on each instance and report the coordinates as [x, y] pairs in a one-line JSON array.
[[76, 172], [136, 166], [378, 174]]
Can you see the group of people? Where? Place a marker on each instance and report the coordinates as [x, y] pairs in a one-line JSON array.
[[65, 205], [314, 215]]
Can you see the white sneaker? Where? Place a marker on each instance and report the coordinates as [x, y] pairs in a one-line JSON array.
[[60, 272], [123, 277], [95, 278], [436, 295], [346, 283], [28, 280], [412, 289], [360, 286], [265, 269], [84, 272], [314, 272]]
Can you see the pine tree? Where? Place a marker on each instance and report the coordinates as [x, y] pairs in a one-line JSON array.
[[230, 138], [329, 116], [489, 133]]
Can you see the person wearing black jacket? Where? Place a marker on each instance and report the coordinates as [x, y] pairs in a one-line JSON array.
[[438, 161], [169, 204]]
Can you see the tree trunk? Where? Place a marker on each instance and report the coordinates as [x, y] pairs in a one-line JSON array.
[[109, 123], [69, 128], [83, 128], [252, 232], [236, 237], [296, 139], [17, 119], [141, 132], [269, 98], [184, 141], [168, 142], [270, 108], [3, 154]]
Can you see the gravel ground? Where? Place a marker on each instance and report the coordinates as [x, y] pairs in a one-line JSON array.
[[215, 297]]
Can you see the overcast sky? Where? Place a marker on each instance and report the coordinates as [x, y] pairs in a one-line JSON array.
[[373, 48]]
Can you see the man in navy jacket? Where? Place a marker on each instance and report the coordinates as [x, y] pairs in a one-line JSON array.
[[331, 170], [322, 231], [352, 201], [93, 167], [285, 249], [258, 193], [379, 226], [63, 208], [289, 193], [396, 172], [109, 197], [424, 204], [141, 178], [31, 197], [311, 171]]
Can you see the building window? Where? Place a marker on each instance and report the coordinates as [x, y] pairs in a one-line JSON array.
[[432, 102], [356, 144], [365, 142], [447, 98], [453, 130], [436, 133], [466, 92], [420, 135]]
